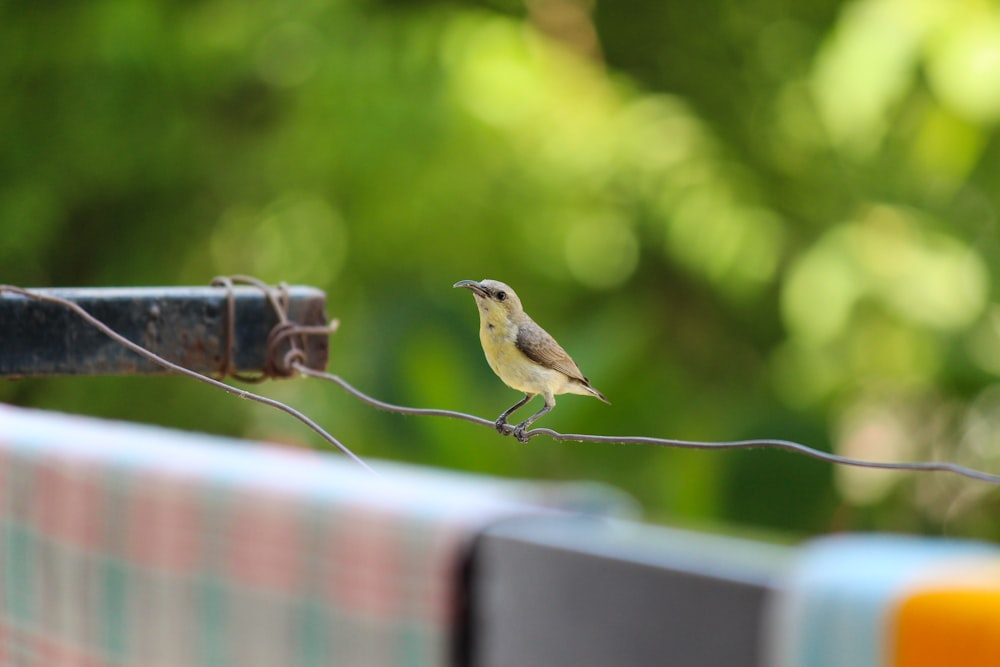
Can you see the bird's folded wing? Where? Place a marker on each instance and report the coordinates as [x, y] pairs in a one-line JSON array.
[[540, 347]]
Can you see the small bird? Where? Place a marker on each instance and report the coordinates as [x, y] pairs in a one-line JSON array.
[[522, 353]]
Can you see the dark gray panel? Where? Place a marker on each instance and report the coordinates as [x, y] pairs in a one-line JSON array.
[[585, 592]]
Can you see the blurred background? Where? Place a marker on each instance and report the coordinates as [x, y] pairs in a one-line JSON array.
[[763, 218]]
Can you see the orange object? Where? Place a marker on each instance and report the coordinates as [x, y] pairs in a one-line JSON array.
[[953, 626]]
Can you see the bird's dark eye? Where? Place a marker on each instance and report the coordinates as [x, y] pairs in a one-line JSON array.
[[501, 295]]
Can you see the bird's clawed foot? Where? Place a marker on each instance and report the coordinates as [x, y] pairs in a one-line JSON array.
[[519, 431]]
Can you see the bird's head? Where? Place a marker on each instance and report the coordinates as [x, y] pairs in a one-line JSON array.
[[496, 300]]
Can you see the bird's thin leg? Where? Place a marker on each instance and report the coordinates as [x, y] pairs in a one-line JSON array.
[[501, 421], [550, 402]]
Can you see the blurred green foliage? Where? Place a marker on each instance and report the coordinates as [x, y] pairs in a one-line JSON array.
[[754, 219]]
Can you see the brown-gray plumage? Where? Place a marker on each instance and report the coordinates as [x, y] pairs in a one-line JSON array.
[[539, 346], [522, 353]]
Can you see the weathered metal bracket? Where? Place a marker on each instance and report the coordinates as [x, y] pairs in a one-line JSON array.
[[185, 325]]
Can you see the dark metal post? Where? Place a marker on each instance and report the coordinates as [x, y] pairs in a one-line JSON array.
[[185, 325]]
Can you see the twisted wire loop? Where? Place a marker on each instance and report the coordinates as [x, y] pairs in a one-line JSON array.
[[280, 362], [227, 368]]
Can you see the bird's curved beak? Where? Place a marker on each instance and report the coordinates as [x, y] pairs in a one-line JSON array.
[[477, 289]]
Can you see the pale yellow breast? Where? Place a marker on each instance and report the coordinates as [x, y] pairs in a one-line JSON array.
[[515, 369]]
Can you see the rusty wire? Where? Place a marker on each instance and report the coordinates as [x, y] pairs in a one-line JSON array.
[[293, 360], [276, 365], [229, 342]]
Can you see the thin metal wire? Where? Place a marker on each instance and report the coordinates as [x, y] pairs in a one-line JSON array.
[[169, 365], [389, 407], [787, 445]]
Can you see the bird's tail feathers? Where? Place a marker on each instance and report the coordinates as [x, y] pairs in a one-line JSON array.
[[590, 389]]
